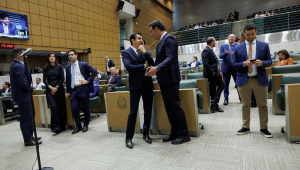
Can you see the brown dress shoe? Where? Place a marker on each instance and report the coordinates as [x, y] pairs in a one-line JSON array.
[[32, 143], [147, 139], [128, 143]]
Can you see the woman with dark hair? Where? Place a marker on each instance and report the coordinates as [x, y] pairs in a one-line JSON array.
[[284, 58], [53, 77], [237, 40]]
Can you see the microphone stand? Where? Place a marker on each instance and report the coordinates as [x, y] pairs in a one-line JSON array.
[[32, 117]]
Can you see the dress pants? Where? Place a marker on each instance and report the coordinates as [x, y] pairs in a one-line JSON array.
[[226, 78], [176, 115], [26, 120], [80, 95], [261, 94], [135, 95], [215, 81]]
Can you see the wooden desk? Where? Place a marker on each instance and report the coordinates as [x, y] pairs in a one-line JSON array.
[[292, 107], [101, 82], [2, 117]]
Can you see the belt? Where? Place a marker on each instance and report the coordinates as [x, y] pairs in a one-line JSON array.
[[77, 86], [251, 77]]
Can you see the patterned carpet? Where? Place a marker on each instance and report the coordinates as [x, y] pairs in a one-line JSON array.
[[217, 148]]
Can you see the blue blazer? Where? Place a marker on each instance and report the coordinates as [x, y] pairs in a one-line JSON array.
[[96, 88], [85, 70], [167, 60], [19, 82], [226, 57], [197, 64], [12, 30], [240, 55], [136, 69]]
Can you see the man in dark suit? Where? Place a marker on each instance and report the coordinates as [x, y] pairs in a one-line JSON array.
[[113, 79], [226, 52], [210, 71], [134, 59], [250, 60], [20, 95], [194, 63], [109, 64], [6, 27], [6, 87], [79, 80], [168, 77]]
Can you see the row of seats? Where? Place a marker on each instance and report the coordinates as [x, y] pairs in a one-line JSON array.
[[278, 11]]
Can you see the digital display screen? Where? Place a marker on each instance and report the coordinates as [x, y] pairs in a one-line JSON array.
[[13, 25]]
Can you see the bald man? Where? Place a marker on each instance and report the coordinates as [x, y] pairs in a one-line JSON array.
[[226, 53]]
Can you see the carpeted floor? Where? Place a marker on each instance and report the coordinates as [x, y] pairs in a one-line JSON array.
[[218, 147]]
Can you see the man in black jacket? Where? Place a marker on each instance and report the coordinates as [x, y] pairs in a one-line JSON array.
[[210, 71], [113, 79], [109, 64]]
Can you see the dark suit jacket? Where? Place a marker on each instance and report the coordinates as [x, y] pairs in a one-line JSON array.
[[85, 70], [226, 57], [19, 82], [240, 55], [12, 30], [136, 69], [115, 80], [210, 63], [167, 60], [111, 63]]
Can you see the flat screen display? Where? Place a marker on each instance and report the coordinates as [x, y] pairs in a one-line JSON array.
[[13, 25]]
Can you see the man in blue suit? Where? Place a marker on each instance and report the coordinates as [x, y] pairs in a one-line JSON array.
[[250, 60], [168, 77], [226, 52], [134, 59], [113, 78], [20, 96], [194, 63], [6, 27], [79, 80]]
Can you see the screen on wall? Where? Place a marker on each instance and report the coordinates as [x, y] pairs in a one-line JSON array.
[[13, 25]]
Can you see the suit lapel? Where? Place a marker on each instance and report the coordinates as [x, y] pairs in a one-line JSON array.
[[245, 49], [81, 68], [133, 52], [257, 50], [159, 46]]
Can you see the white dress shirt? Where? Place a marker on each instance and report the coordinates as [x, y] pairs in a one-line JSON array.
[[5, 27], [254, 68], [108, 70], [39, 86], [6, 91], [193, 64], [78, 75], [163, 35]]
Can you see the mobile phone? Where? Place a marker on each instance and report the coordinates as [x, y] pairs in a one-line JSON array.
[[252, 60], [147, 69]]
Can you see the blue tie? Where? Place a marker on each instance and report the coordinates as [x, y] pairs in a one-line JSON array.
[[73, 76]]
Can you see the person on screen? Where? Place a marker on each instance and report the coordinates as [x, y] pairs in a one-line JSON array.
[[6, 27]]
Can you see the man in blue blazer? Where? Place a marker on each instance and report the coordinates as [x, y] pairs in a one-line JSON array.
[[79, 80], [250, 60], [113, 78], [96, 87], [194, 63], [20, 96], [168, 77], [226, 52], [134, 59], [6, 27]]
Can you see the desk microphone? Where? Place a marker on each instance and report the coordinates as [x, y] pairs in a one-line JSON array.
[[26, 52]]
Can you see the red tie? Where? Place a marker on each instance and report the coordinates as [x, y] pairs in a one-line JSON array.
[[110, 79]]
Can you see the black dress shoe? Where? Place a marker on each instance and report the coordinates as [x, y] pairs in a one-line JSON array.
[[213, 106], [38, 138], [85, 128], [77, 129], [32, 143], [225, 102], [128, 143], [218, 109], [169, 138], [181, 140], [147, 139]]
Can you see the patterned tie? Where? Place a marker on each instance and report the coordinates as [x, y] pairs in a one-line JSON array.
[[73, 76], [231, 47], [110, 79], [250, 69]]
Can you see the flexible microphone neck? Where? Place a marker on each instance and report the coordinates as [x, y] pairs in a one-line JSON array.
[[26, 52]]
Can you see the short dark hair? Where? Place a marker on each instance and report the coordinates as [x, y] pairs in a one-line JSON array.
[[250, 26], [210, 40], [159, 24], [39, 78], [237, 38], [133, 36], [73, 51], [242, 35], [284, 52], [3, 15], [7, 83], [144, 41], [195, 57], [17, 51]]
